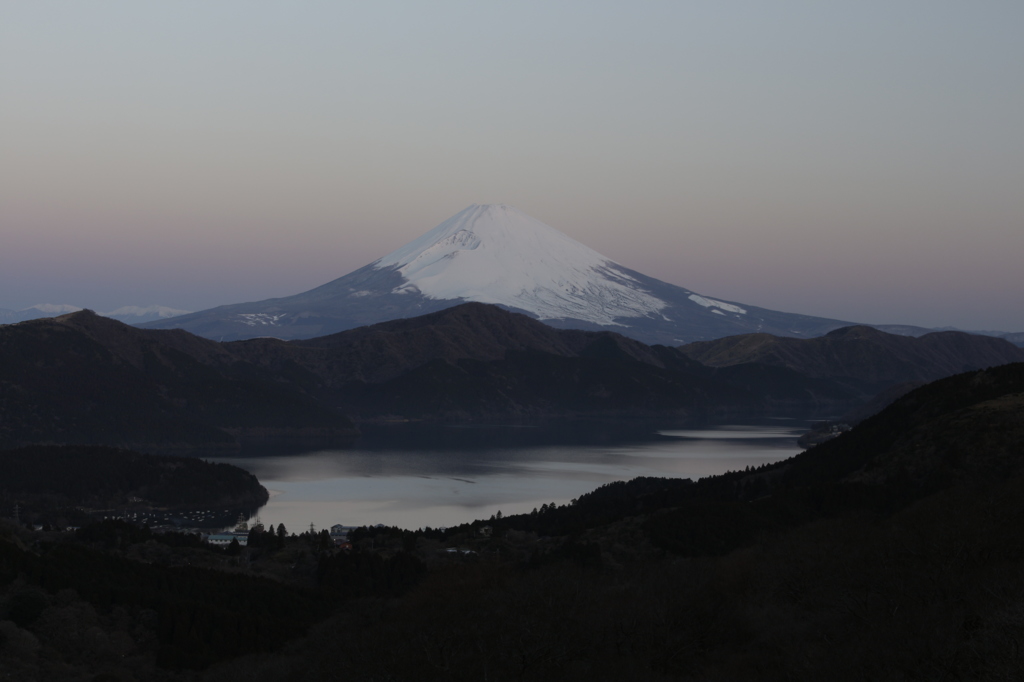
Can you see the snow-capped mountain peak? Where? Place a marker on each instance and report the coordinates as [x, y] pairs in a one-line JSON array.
[[497, 254]]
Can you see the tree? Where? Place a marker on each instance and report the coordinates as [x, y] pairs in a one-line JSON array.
[[281, 535]]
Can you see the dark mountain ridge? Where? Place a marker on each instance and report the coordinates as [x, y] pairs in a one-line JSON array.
[[476, 360], [862, 354], [84, 379], [81, 378], [471, 331]]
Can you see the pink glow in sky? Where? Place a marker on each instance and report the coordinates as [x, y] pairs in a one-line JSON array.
[[862, 162]]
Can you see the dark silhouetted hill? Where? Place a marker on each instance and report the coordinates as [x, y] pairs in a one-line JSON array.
[[82, 378], [862, 356], [477, 360], [104, 478]]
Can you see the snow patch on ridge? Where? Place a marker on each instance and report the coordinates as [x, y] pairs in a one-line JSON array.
[[53, 308], [498, 254], [712, 303], [149, 311], [259, 319]]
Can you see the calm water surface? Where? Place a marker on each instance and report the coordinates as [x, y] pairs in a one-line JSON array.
[[441, 476]]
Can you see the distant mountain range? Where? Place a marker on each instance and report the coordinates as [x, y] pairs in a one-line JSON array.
[[499, 255], [130, 314], [82, 378]]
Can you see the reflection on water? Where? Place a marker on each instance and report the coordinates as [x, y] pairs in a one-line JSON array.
[[440, 476]]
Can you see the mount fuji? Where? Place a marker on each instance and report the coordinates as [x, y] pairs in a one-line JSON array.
[[499, 255]]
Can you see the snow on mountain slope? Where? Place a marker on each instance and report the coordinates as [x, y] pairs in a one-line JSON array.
[[498, 254], [712, 303], [53, 308]]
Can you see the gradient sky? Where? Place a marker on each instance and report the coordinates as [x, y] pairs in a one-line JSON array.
[[859, 160]]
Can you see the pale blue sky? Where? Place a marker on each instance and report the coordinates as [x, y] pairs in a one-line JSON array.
[[860, 160]]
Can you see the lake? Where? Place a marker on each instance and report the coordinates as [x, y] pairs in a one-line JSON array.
[[418, 476]]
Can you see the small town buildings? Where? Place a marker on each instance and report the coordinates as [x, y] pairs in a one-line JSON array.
[[224, 539]]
